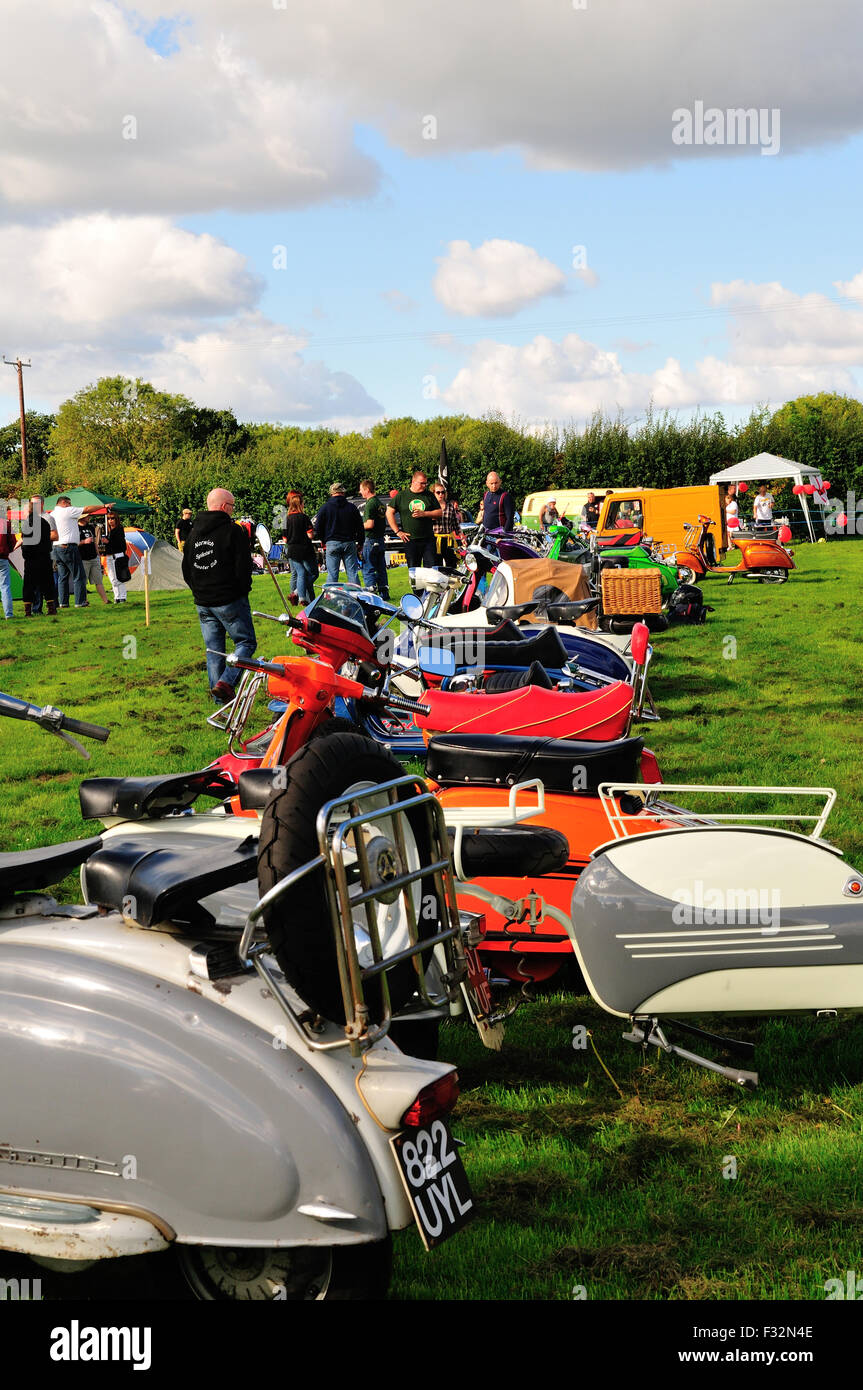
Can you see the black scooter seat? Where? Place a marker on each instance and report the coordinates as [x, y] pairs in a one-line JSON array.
[[501, 760], [151, 884], [30, 870], [513, 611], [569, 612], [143, 798], [546, 647]]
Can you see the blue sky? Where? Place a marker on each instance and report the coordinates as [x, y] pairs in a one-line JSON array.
[[272, 148]]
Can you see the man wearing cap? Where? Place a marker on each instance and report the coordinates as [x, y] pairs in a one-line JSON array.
[[339, 525], [549, 516]]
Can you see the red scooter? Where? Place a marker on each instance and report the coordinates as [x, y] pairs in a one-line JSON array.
[[760, 555]]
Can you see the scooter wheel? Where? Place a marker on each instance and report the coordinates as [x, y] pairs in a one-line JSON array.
[[298, 926], [295, 1273], [773, 577]]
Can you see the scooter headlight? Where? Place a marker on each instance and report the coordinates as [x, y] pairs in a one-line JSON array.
[[470, 562]]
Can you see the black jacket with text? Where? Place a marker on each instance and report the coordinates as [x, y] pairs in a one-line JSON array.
[[217, 560]]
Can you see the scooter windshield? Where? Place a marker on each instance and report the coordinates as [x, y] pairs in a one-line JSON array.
[[339, 608]]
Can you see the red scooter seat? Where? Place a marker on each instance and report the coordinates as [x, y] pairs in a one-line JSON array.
[[596, 715]]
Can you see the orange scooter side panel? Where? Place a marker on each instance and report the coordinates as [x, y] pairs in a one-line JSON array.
[[595, 716], [762, 554], [584, 823]]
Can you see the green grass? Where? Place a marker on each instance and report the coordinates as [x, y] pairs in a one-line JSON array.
[[579, 1184]]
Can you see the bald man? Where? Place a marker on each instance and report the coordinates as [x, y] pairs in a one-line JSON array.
[[497, 509], [217, 566]]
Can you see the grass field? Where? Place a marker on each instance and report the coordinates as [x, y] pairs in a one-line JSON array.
[[587, 1185]]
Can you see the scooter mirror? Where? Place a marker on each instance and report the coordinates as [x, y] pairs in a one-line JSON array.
[[411, 607], [639, 643], [263, 537], [436, 661]]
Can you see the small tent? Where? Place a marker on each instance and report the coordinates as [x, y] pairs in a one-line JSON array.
[[764, 468], [83, 497], [166, 570]]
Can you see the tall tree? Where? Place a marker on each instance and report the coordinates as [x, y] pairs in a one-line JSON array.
[[118, 421], [39, 429]]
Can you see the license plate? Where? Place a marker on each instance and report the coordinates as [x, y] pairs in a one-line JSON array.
[[435, 1181]]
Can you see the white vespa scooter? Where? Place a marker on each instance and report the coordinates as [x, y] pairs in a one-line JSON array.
[[165, 1086]]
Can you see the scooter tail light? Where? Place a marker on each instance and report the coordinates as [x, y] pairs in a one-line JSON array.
[[649, 766], [433, 1102]]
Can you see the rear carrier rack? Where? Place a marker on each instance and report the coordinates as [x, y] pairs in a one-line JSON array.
[[234, 716], [336, 836], [626, 803]]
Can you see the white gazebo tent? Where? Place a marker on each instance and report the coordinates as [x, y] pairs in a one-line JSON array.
[[762, 468]]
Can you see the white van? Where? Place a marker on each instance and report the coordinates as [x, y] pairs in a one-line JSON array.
[[569, 503]]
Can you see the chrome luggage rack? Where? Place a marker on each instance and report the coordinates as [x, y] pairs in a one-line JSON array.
[[234, 716], [624, 823], [344, 899]]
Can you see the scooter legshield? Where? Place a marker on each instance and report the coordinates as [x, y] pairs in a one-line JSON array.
[[128, 1091]]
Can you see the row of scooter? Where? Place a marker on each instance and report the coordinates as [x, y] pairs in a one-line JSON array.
[[245, 1004]]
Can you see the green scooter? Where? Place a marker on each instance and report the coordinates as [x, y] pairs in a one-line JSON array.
[[566, 545]]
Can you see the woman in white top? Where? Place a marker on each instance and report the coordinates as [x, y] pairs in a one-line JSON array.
[[732, 511]]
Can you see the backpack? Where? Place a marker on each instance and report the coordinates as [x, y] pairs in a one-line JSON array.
[[687, 605]]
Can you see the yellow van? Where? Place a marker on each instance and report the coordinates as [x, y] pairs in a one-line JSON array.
[[662, 512]]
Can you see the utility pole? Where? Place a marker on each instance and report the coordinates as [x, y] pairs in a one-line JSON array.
[[19, 367]]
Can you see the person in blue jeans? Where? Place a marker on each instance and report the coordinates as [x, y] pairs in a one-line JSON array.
[[374, 550], [7, 545], [338, 525], [70, 569], [299, 550], [217, 566]]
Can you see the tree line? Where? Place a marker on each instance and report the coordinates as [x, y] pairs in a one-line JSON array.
[[126, 438]]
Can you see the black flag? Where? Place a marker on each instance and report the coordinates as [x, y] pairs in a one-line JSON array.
[[443, 468]]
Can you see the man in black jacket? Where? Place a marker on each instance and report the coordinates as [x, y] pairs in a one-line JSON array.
[[217, 566], [339, 525]]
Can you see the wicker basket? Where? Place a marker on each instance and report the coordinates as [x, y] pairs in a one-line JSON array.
[[631, 591]]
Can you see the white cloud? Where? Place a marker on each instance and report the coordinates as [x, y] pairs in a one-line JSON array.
[[781, 345], [108, 274], [255, 367], [398, 300], [256, 107], [135, 296], [497, 278], [211, 127], [591, 88]]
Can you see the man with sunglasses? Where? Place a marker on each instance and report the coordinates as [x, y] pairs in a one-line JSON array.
[[217, 566]]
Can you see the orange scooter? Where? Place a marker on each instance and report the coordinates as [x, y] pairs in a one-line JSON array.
[[760, 555]]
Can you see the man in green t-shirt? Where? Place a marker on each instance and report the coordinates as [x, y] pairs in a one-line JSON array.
[[419, 509], [374, 551]]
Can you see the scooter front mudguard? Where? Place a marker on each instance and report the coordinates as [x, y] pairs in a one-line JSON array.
[[128, 1092]]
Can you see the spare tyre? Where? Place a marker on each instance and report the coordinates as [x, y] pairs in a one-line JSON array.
[[298, 925]]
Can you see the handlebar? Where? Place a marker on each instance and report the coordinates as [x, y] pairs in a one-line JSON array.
[[286, 620], [53, 721]]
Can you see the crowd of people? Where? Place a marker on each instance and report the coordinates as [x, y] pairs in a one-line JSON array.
[[62, 552], [217, 554]]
